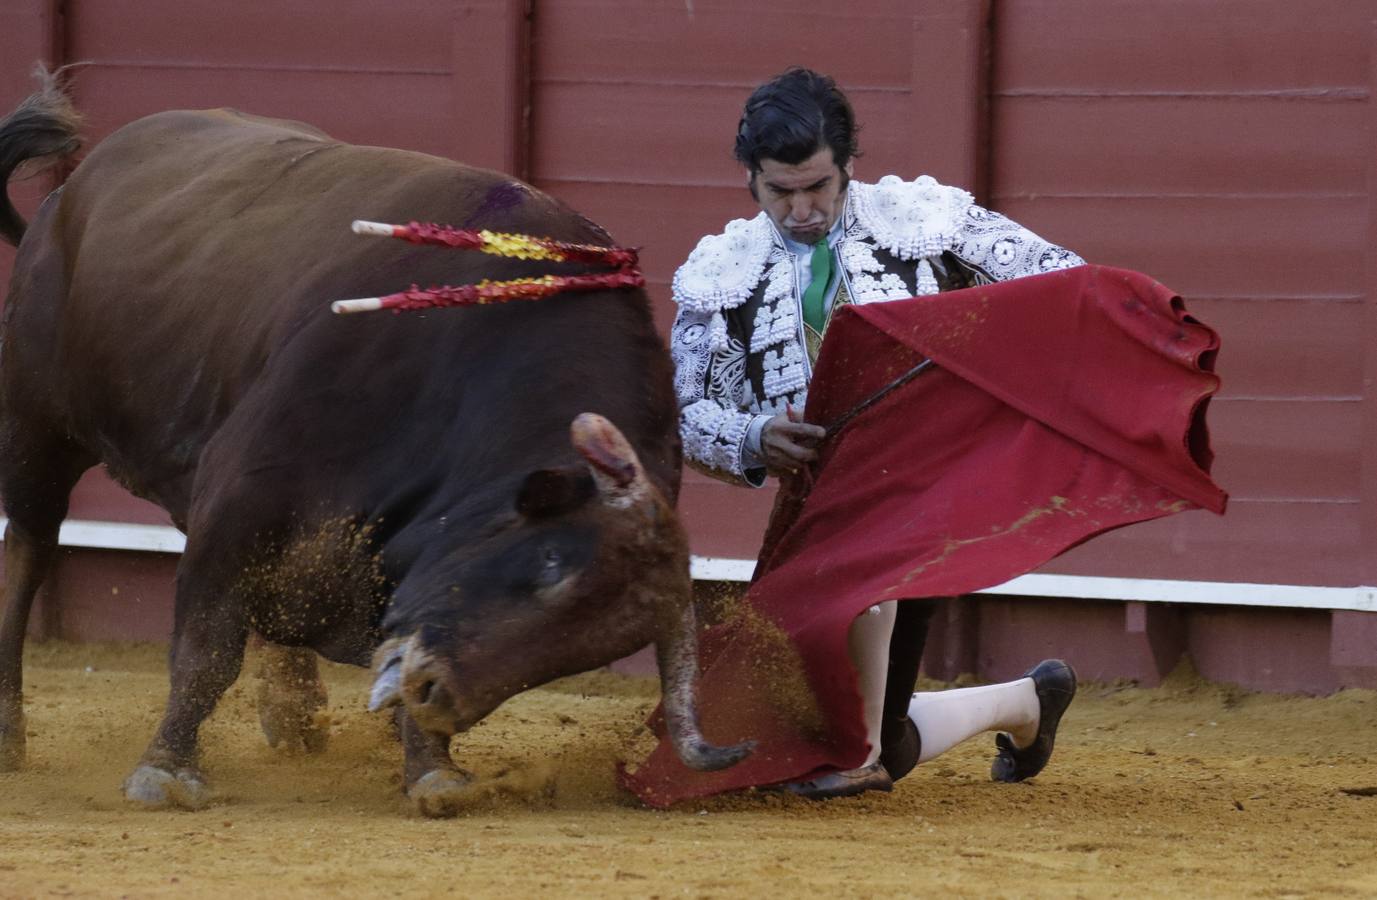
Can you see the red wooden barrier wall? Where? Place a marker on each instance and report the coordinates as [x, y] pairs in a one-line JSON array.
[[1220, 145]]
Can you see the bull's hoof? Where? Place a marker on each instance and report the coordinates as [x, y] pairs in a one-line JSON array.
[[289, 720], [315, 737], [441, 793], [12, 742], [704, 757], [292, 731], [154, 788]]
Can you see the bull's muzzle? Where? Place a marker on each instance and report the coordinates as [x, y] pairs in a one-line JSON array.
[[409, 674], [387, 686]]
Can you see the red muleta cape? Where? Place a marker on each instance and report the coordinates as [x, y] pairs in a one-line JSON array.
[[1060, 406]]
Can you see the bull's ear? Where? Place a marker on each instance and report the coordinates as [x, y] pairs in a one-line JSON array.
[[549, 492]]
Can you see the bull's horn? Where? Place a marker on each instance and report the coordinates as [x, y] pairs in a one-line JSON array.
[[677, 653], [621, 480], [387, 687]]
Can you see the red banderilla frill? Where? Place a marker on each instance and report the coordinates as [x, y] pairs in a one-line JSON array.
[[518, 246], [521, 246], [488, 292]]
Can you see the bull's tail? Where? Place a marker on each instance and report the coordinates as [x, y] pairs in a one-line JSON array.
[[44, 125]]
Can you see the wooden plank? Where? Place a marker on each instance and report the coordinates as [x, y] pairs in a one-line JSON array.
[[1259, 542], [684, 135], [1213, 246], [864, 45], [724, 519], [395, 64], [1288, 449], [948, 127], [111, 96], [98, 498], [32, 33], [1275, 347], [690, 118], [284, 36], [1182, 46], [491, 73], [1368, 519], [112, 596], [1139, 145], [1228, 644]]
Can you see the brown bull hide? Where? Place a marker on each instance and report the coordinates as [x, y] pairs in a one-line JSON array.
[[343, 481]]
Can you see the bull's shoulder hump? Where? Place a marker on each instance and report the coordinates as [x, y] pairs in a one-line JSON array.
[[421, 164], [222, 125], [436, 188]]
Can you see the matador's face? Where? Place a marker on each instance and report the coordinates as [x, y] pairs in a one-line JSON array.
[[803, 199]]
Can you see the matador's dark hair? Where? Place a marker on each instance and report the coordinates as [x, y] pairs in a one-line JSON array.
[[793, 116]]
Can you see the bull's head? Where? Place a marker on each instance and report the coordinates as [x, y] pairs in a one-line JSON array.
[[588, 566]]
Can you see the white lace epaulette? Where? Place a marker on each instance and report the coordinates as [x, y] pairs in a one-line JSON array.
[[724, 269], [911, 219]]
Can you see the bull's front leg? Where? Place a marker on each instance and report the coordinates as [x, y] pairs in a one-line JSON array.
[[435, 784], [207, 652], [290, 694]]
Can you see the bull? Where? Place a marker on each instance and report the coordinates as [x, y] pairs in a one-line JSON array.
[[473, 501]]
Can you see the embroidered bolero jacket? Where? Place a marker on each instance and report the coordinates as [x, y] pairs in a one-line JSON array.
[[740, 351]]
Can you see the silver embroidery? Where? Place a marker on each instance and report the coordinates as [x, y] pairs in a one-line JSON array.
[[910, 219], [1006, 249], [914, 221], [784, 370], [869, 280], [775, 405], [774, 324], [692, 353], [723, 270], [713, 435], [728, 373]]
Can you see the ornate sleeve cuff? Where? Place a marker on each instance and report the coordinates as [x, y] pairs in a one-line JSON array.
[[715, 441], [753, 452]]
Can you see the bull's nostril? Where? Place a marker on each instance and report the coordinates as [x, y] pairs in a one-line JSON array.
[[425, 692]]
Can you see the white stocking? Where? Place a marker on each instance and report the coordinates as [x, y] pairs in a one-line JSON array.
[[868, 643], [946, 718]]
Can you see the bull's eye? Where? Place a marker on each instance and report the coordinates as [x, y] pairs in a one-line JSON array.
[[551, 565]]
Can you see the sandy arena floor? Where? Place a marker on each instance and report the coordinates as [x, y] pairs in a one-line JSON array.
[[1185, 791]]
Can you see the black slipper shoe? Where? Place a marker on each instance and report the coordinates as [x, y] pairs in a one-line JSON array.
[[843, 784], [1055, 682], [899, 747]]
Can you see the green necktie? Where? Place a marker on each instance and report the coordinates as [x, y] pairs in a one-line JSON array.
[[821, 265]]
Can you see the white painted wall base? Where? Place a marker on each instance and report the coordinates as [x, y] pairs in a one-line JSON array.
[[1362, 598], [165, 539]]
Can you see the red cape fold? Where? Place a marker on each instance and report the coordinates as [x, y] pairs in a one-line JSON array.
[[1060, 406]]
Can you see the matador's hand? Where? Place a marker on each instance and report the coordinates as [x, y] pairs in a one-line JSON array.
[[788, 445]]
